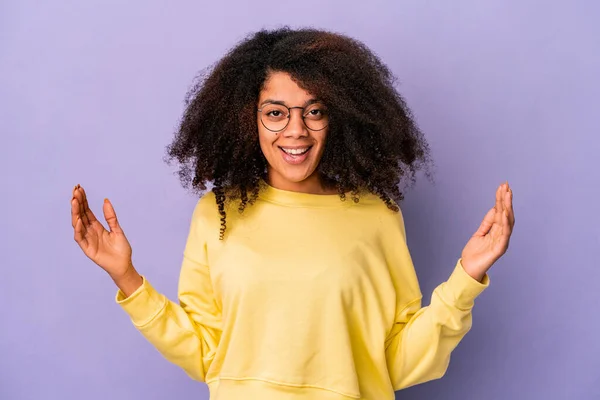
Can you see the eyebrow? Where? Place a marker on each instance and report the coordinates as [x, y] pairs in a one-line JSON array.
[[280, 102]]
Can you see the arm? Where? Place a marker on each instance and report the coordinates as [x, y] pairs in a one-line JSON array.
[[187, 334], [420, 342], [419, 346]]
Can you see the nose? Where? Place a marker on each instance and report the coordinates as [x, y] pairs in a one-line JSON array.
[[295, 127]]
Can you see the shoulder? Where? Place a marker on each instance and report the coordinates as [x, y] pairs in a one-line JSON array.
[[206, 204], [372, 202], [206, 212], [373, 207]]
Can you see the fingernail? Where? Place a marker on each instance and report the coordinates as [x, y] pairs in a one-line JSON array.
[[106, 200]]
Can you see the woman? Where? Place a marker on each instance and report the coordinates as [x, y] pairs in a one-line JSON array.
[[296, 280]]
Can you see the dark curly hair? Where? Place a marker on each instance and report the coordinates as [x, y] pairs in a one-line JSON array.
[[372, 144]]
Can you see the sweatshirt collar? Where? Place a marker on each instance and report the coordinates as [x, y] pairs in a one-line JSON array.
[[299, 199]]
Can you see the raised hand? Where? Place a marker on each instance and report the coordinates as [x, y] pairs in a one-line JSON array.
[[491, 240], [109, 249]]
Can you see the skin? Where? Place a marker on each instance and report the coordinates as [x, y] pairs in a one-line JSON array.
[[297, 178], [491, 239], [111, 250]]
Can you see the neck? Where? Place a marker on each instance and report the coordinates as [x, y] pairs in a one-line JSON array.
[[311, 185]]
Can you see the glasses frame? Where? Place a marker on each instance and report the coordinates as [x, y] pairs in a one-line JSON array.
[[289, 118]]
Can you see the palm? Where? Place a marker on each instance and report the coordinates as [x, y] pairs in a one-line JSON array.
[[491, 240], [103, 246], [109, 249]]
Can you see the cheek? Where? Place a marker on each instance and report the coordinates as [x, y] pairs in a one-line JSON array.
[[266, 141], [322, 139]]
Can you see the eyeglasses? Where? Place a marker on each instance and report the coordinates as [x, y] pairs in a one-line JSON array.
[[276, 117]]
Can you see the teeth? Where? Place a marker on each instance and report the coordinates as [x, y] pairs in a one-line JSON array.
[[295, 151]]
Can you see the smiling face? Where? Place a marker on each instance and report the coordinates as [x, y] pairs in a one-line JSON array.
[[293, 151]]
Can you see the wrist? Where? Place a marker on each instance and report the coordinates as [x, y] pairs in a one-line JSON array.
[[129, 281], [473, 272]]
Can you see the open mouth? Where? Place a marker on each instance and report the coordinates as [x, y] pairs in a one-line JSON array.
[[295, 151], [295, 155]]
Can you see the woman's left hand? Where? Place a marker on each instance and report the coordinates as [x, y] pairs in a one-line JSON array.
[[491, 240]]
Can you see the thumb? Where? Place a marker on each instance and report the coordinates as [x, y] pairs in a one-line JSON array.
[[111, 217], [487, 223]]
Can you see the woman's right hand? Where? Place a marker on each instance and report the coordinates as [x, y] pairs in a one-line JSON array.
[[109, 249]]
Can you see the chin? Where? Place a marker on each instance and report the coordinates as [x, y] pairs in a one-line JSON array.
[[295, 177]]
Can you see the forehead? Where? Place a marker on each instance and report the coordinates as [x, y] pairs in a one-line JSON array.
[[280, 86]]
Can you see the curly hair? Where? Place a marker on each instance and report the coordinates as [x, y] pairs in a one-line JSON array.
[[373, 142]]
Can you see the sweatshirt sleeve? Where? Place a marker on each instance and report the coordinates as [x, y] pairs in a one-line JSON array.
[[421, 340], [185, 333]]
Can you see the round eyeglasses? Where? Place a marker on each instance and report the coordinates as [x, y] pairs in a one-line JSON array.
[[276, 117]]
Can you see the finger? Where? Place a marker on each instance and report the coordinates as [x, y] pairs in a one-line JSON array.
[[508, 206], [79, 197], [506, 225], [496, 229], [76, 205], [111, 217], [508, 203], [487, 223], [501, 235], [80, 234], [498, 205], [74, 211], [88, 212]]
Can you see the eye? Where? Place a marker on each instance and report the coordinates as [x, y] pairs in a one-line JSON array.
[[315, 113], [274, 113]]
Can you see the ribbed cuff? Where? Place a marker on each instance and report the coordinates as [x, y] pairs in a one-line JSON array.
[[461, 289], [143, 305]]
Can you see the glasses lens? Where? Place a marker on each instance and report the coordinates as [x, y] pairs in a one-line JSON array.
[[315, 117], [274, 117]]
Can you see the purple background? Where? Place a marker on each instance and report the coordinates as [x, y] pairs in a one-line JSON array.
[[90, 92]]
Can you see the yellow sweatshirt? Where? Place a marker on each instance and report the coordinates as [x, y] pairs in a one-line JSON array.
[[309, 297]]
